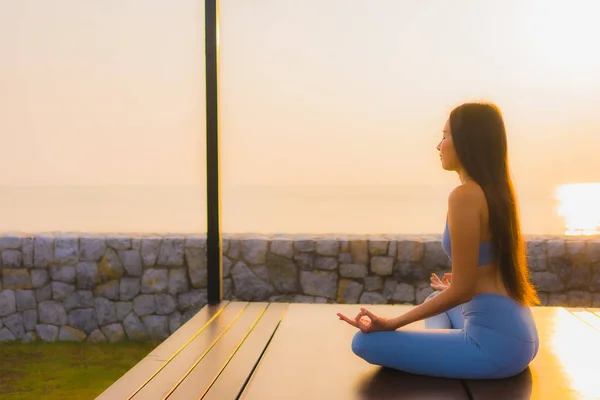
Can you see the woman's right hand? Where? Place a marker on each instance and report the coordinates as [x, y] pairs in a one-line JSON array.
[[442, 284]]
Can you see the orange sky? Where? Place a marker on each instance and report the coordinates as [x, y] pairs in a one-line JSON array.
[[312, 92]]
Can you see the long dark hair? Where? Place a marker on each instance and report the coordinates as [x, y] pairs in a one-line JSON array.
[[479, 137]]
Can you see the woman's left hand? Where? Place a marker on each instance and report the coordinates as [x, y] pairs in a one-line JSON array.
[[366, 321]]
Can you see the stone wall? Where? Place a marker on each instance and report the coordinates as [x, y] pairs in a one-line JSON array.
[[137, 287]]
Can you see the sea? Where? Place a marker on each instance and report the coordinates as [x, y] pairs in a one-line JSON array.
[[265, 209]]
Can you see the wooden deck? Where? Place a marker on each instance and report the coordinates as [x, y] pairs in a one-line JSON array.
[[258, 351]]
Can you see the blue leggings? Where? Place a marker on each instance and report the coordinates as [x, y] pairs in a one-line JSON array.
[[489, 337]]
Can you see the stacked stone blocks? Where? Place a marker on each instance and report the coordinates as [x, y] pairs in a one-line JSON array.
[[76, 287]]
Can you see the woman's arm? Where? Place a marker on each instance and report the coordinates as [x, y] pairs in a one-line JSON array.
[[464, 205]]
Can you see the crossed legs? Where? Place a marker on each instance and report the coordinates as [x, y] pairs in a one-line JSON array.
[[443, 349]]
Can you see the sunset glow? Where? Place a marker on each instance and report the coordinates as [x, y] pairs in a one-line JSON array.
[[579, 205], [323, 127], [579, 378]]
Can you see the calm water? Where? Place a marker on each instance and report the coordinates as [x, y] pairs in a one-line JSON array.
[[356, 209]]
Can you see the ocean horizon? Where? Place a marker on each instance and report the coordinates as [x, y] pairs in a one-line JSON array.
[[315, 209]]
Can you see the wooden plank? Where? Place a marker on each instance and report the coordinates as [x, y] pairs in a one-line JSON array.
[[515, 388], [170, 375], [589, 318], [595, 311], [231, 381], [198, 379], [310, 357], [565, 367], [168, 348], [134, 379], [231, 361]]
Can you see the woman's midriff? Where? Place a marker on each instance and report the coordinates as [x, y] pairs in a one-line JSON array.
[[489, 280]]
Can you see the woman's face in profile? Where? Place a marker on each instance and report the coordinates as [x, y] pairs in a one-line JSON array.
[[446, 148]]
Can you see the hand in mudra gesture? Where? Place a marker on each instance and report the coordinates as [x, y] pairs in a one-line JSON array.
[[366, 321], [440, 284]]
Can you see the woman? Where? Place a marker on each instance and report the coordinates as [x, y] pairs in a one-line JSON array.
[[480, 326]]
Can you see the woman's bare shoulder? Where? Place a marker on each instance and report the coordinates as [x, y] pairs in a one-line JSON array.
[[470, 195]]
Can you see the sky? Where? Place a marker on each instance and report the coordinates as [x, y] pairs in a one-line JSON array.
[[336, 92]]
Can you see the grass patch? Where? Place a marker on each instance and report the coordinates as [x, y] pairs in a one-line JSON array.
[[74, 371]]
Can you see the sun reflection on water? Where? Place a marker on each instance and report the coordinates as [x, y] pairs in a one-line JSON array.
[[579, 205]]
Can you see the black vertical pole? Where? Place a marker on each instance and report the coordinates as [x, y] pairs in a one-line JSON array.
[[213, 240]]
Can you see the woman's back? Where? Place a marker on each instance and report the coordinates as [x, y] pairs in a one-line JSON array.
[[489, 276]]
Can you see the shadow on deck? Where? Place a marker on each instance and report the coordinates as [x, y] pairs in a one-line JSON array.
[[242, 350]]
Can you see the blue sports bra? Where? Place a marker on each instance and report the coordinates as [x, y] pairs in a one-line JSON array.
[[485, 248]]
